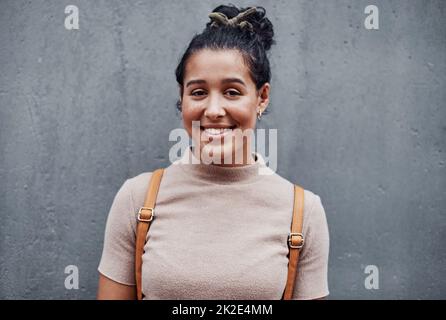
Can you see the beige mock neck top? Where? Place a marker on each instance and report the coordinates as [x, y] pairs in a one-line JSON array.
[[218, 233]]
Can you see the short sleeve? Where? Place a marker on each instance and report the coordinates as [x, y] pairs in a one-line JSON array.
[[312, 282], [117, 261]]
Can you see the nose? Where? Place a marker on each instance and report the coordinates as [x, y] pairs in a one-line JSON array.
[[214, 108]]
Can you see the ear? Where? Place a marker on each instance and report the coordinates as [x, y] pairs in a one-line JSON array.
[[263, 97]]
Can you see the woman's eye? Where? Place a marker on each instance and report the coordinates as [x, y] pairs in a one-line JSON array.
[[197, 93], [233, 93]]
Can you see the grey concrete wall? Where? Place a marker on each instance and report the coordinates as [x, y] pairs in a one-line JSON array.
[[361, 118]]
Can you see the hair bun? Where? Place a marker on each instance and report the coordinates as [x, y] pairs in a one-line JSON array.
[[261, 25]]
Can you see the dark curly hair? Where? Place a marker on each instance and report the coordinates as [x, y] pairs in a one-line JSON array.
[[252, 44]]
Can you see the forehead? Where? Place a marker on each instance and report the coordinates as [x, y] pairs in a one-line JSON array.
[[210, 64]]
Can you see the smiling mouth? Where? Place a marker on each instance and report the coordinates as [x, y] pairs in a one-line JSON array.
[[217, 131]]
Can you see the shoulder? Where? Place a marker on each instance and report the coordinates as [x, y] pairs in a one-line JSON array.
[[138, 182], [137, 187], [313, 208], [312, 200], [315, 227], [314, 213], [281, 185], [140, 179]]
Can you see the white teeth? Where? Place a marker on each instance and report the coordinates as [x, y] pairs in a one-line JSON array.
[[216, 131]]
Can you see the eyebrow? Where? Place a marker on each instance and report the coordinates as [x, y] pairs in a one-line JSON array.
[[224, 81]]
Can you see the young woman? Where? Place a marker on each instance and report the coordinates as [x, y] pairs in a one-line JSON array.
[[220, 229]]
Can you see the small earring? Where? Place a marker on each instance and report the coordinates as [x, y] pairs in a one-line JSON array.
[[259, 114]]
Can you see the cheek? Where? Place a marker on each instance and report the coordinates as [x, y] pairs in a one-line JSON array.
[[244, 114], [189, 114], [190, 107]]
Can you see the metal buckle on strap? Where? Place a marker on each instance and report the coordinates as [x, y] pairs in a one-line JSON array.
[[293, 244], [152, 214]]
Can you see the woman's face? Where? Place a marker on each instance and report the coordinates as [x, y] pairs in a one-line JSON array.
[[219, 93]]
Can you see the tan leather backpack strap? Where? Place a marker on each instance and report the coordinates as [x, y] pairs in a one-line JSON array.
[[145, 217], [295, 241]]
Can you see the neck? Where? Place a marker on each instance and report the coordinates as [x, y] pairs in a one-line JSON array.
[[250, 160], [247, 159]]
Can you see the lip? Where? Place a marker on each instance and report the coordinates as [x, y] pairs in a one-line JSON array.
[[202, 129], [218, 126]]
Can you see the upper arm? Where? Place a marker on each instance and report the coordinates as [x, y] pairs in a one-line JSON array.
[[117, 263], [112, 290], [312, 270]]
